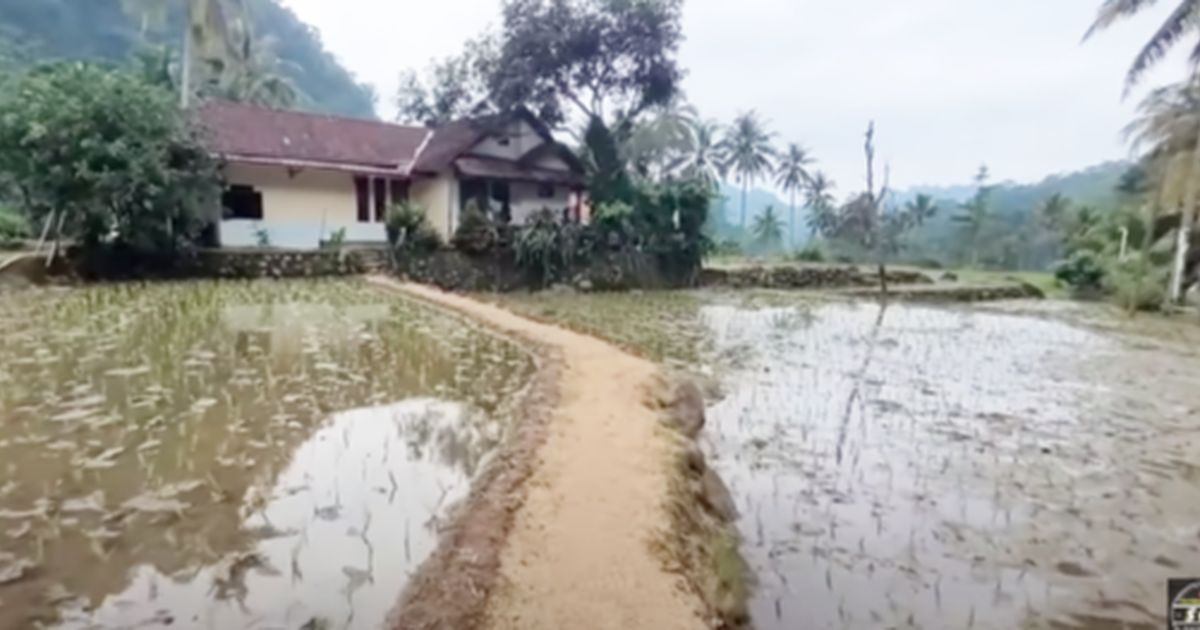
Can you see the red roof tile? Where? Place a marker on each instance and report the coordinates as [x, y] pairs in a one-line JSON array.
[[256, 132]]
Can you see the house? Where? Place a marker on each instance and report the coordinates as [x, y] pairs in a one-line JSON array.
[[295, 179]]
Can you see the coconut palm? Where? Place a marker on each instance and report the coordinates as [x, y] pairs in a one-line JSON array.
[[209, 31], [768, 230], [703, 160], [822, 216], [975, 214], [921, 209], [1169, 125], [791, 174], [253, 76], [657, 143], [747, 152], [1053, 211], [1184, 21]]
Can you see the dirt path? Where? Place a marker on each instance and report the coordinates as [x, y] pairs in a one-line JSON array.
[[580, 553]]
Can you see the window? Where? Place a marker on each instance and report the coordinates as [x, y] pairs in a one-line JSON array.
[[242, 202], [362, 191], [503, 141], [381, 191], [546, 191]]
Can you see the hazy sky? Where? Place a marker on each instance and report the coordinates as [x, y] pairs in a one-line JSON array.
[[951, 83]]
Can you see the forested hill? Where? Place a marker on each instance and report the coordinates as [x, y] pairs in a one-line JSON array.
[[40, 30], [1094, 186]]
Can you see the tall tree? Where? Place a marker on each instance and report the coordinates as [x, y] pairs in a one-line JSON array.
[[703, 161], [747, 152], [792, 176], [660, 141], [455, 87], [1168, 123], [974, 214], [253, 75], [606, 60], [822, 217], [209, 33], [1183, 21], [767, 230]]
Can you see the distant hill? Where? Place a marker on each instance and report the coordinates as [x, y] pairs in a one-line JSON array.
[[1011, 208], [32, 31], [728, 215]]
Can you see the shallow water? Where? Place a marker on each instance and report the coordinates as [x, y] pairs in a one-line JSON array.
[[923, 467], [1013, 465], [235, 454]]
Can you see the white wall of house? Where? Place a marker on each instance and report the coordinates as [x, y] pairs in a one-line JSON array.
[[300, 209], [525, 199], [439, 196]]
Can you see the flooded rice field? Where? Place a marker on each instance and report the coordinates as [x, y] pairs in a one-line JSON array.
[[1026, 466], [221, 455]]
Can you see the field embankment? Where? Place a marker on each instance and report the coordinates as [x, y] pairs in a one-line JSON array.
[[594, 539]]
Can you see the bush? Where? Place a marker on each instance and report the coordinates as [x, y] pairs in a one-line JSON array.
[[475, 234], [425, 238], [336, 239], [403, 221], [613, 222], [1136, 284], [810, 253], [112, 153], [538, 246], [1083, 272], [12, 227]]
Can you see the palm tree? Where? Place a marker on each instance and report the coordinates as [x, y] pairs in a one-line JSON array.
[[703, 160], [921, 209], [1169, 123], [1053, 211], [253, 76], [656, 145], [208, 34], [768, 229], [822, 217], [791, 174], [1184, 20], [747, 152], [975, 213]]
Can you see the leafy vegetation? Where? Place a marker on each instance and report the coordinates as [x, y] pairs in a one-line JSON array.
[[476, 234], [284, 52], [109, 158]]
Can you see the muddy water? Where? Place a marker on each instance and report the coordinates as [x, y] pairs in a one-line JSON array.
[[233, 455], [931, 468]]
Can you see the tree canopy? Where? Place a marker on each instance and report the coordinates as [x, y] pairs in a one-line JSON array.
[[107, 155]]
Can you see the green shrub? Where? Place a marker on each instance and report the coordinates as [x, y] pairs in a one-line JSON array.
[[1136, 284], [728, 247], [811, 253], [13, 227], [613, 221], [402, 222], [425, 238], [475, 234], [262, 236], [1083, 272], [336, 239], [538, 246]]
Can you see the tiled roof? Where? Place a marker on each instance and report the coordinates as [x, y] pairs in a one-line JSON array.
[[257, 132]]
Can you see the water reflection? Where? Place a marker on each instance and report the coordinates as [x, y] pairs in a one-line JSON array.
[[152, 439], [952, 468]]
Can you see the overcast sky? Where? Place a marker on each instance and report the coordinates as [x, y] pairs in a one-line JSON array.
[[951, 83]]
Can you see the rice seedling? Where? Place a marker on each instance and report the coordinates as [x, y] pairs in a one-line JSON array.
[[175, 413]]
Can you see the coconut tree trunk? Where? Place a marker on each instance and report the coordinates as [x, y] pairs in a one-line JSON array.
[[185, 71], [792, 223], [1179, 269], [745, 186]]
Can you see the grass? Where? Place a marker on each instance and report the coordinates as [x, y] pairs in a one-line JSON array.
[[1043, 280]]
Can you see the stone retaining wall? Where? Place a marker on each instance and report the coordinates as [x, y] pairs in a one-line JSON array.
[[805, 277]]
